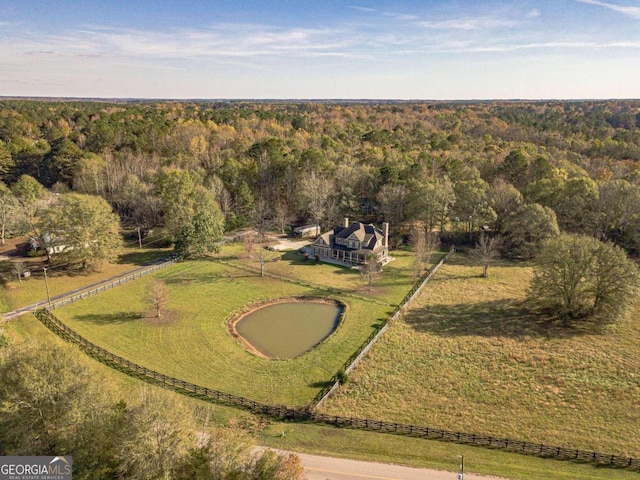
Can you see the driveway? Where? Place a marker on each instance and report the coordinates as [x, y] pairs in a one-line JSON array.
[[290, 243], [330, 468]]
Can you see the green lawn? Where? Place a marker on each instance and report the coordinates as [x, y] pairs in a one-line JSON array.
[[468, 357], [14, 294], [194, 343], [324, 440]]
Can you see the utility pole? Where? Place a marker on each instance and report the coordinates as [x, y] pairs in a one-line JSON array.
[[46, 284], [461, 474]]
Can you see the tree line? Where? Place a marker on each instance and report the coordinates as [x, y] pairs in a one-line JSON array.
[[526, 171]]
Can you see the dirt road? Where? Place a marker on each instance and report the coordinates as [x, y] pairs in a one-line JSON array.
[[329, 468]]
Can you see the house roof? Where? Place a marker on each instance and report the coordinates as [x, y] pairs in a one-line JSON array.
[[367, 235]]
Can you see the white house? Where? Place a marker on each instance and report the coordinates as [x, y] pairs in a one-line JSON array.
[[352, 244]]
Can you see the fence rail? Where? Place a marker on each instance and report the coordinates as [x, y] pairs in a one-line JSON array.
[[306, 415], [106, 286], [355, 358]]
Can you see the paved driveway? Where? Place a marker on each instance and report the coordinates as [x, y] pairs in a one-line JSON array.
[[290, 244]]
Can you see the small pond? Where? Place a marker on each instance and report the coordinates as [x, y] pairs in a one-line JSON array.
[[288, 329]]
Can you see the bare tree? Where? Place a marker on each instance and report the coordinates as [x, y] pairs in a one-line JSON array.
[[486, 250], [316, 192], [391, 202], [260, 215], [19, 268], [257, 250], [424, 244], [371, 270], [282, 216], [417, 239], [431, 244], [157, 296]]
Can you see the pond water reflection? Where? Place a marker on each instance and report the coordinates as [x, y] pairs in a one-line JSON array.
[[287, 330]]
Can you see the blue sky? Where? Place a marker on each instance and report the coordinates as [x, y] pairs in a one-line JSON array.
[[464, 49]]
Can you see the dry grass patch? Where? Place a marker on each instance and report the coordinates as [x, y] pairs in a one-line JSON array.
[[468, 356], [14, 294]]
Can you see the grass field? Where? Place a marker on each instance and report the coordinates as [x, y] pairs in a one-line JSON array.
[[328, 440], [14, 294], [195, 344], [467, 356]]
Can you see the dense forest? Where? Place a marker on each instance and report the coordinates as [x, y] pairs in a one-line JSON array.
[[525, 170]]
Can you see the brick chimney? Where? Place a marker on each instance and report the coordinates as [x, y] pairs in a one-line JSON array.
[[385, 231], [345, 222]]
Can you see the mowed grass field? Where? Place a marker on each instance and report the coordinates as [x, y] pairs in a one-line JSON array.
[[325, 440], [15, 294], [468, 357], [192, 341]]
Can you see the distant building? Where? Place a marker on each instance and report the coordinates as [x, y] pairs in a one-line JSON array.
[[306, 231], [351, 244]]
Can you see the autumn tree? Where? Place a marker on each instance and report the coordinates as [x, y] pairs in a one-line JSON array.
[[417, 240], [505, 199], [9, 211], [200, 236], [577, 206], [391, 202], [473, 202], [431, 202], [6, 162], [28, 191], [176, 190], [618, 213], [80, 229], [581, 279], [527, 228], [424, 244], [50, 404]]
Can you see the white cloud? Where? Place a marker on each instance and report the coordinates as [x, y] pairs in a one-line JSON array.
[[221, 40], [362, 9], [401, 16], [633, 12], [470, 23], [560, 45]]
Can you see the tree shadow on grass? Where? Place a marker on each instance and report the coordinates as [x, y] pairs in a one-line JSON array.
[[143, 257], [500, 318], [111, 318], [321, 384], [191, 278]]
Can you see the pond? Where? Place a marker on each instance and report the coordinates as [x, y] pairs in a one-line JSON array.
[[288, 329]]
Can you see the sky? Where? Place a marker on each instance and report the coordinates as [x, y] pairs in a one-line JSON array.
[[321, 49]]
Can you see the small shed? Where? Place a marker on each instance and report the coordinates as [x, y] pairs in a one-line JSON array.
[[306, 231]]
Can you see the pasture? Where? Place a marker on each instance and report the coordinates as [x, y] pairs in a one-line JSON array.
[[469, 356], [192, 341]]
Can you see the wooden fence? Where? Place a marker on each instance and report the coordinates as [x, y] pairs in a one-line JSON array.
[[355, 358], [106, 286], [284, 413]]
